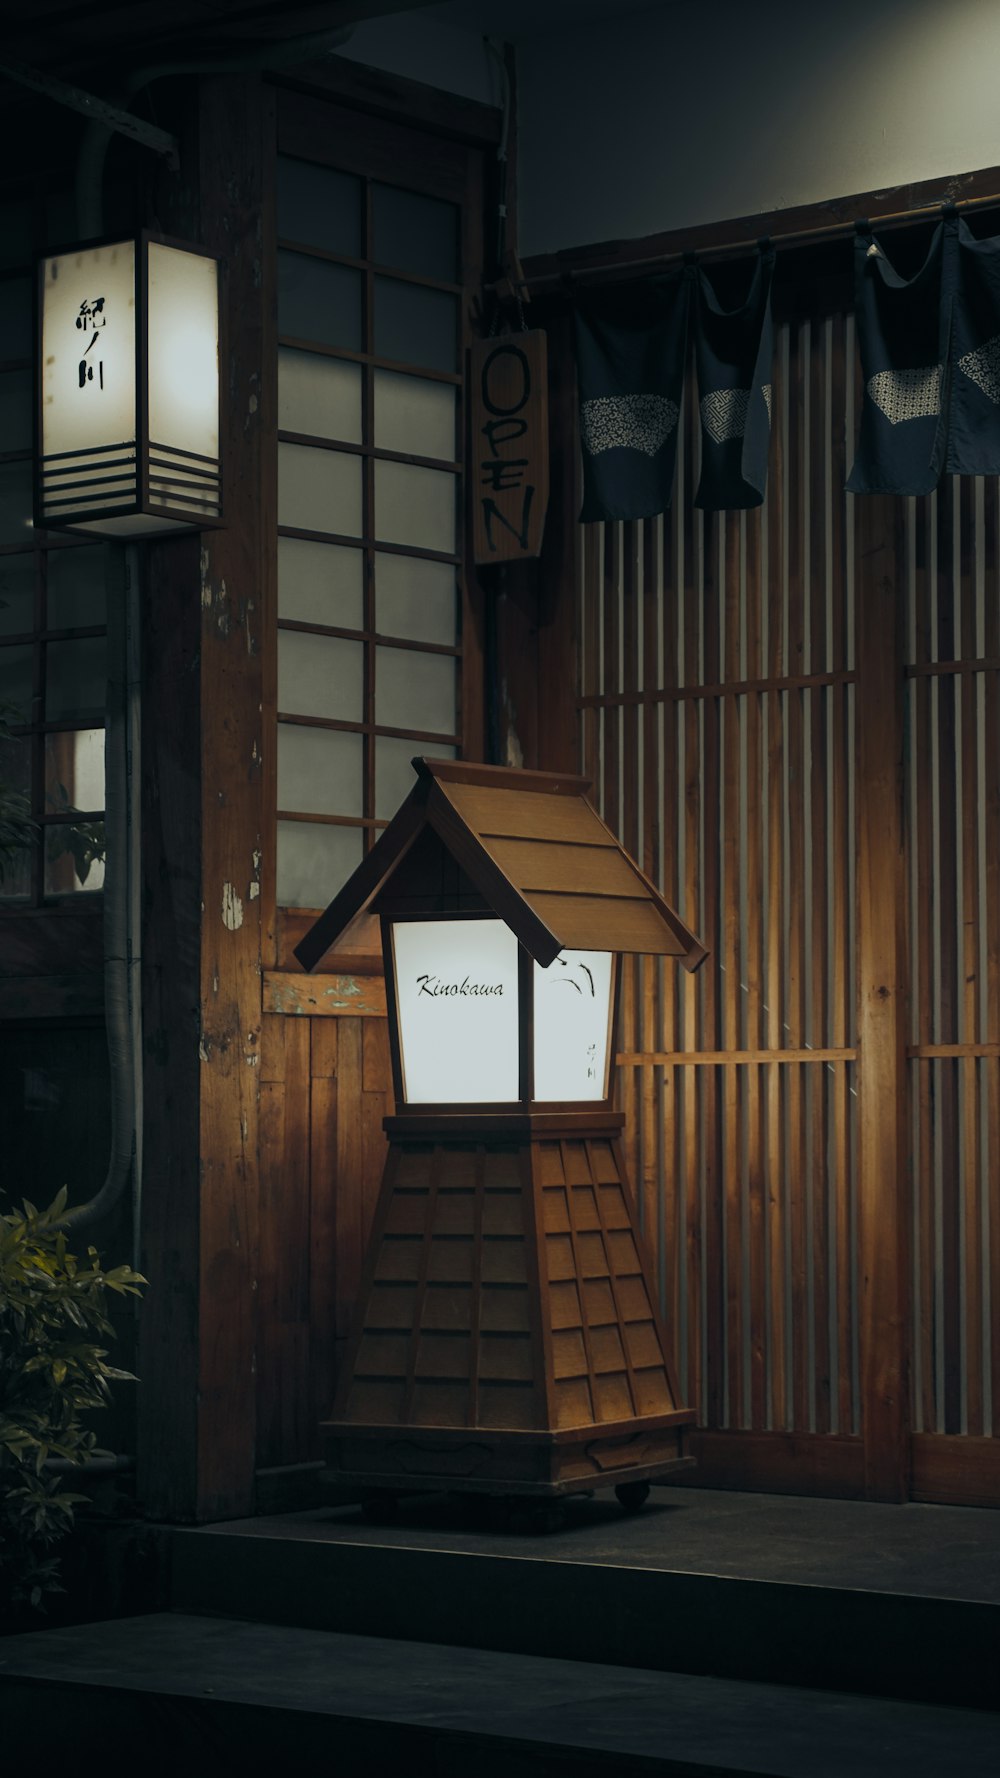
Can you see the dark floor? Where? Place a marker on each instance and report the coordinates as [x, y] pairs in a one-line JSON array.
[[947, 1552], [458, 1700], [711, 1635]]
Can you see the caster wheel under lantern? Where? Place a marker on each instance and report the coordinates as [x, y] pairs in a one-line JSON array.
[[631, 1496]]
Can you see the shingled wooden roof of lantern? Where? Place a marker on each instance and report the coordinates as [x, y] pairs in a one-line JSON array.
[[533, 847]]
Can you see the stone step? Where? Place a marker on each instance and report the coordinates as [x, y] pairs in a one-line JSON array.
[[171, 1690], [845, 1596]]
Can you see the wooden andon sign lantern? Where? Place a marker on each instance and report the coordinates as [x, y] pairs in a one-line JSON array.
[[510, 446], [128, 389], [507, 1336]]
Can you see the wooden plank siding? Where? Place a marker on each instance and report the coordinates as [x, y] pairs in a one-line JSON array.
[[796, 728], [325, 1088]]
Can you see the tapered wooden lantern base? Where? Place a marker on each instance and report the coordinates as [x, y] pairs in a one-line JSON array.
[[508, 1339]]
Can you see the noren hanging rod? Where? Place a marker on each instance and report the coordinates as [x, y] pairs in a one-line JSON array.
[[800, 237]]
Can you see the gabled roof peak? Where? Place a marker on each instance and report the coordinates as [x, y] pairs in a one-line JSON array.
[[539, 854]]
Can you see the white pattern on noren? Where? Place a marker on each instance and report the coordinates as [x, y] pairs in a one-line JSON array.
[[629, 422], [724, 413], [765, 390], [907, 394], [983, 367]]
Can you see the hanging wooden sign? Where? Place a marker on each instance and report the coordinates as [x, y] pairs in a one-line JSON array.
[[509, 453]]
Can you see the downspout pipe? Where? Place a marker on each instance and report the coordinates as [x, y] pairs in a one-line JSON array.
[[121, 1005]]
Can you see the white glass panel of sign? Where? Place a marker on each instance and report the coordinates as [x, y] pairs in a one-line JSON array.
[[414, 325], [416, 599], [71, 862], [319, 771], [15, 410], [17, 595], [319, 490], [456, 994], [319, 301], [572, 1013], [415, 506], [319, 206], [394, 774], [314, 862], [183, 303], [320, 676], [75, 587], [415, 690], [321, 583], [413, 414], [75, 677], [15, 504], [319, 395], [74, 770], [88, 349], [414, 233]]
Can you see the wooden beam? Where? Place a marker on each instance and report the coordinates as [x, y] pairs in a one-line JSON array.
[[959, 1471], [740, 234], [324, 996], [883, 1201], [778, 1463], [202, 951]]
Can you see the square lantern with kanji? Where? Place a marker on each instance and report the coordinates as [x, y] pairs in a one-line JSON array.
[[128, 389]]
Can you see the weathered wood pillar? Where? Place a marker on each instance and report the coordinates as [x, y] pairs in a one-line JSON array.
[[201, 869], [884, 1210]]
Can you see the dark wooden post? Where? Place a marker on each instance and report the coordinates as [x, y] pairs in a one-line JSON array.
[[884, 1215], [202, 955], [536, 646]]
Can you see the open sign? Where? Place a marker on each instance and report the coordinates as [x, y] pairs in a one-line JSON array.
[[510, 445]]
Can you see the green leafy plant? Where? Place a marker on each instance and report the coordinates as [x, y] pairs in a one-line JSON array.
[[53, 1372], [84, 840]]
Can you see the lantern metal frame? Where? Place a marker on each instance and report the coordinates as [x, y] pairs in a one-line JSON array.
[[97, 521]]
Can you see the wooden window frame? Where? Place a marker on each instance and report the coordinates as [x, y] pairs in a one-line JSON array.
[[328, 131]]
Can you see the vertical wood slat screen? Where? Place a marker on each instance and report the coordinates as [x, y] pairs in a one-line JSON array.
[[953, 814], [719, 724], [717, 712]]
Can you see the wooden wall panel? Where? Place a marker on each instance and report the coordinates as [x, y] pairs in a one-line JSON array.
[[325, 1088]]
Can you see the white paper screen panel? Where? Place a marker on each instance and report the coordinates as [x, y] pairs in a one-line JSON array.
[[327, 392]]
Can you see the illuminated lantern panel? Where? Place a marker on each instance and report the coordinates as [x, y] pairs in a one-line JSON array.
[[456, 995], [460, 1030], [129, 390], [572, 1022]]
